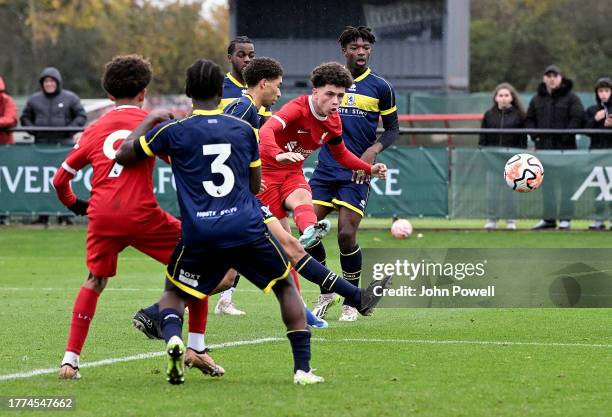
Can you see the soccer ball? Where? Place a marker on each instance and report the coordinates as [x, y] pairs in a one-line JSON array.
[[401, 229], [523, 173]]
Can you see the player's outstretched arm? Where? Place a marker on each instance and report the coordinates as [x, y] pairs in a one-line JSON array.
[[345, 157], [389, 136], [129, 152]]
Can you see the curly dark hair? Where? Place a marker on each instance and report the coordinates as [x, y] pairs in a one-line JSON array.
[[260, 69], [238, 39], [204, 80], [331, 73], [351, 34], [127, 75]]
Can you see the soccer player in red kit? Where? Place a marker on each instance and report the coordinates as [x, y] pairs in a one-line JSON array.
[[122, 208], [300, 127]]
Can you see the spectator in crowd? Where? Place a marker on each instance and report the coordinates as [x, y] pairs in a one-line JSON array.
[[507, 112], [53, 106], [8, 115], [599, 116], [554, 107], [57, 107], [8, 119]]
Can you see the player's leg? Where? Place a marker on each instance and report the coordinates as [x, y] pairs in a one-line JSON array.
[[190, 274], [327, 298], [159, 243], [282, 228], [362, 300], [267, 267], [298, 199], [102, 252], [172, 308], [350, 254], [225, 305], [83, 312]]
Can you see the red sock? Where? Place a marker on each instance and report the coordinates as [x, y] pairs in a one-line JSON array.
[[82, 314], [304, 216], [198, 314], [294, 274]]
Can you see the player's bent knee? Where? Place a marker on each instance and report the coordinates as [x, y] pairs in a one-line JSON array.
[[347, 238], [96, 283]]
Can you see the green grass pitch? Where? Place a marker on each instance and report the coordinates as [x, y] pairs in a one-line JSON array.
[[400, 362]]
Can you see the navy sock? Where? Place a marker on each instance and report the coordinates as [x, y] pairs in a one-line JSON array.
[[236, 280], [153, 312], [351, 266], [300, 346], [171, 323], [318, 252], [319, 274]]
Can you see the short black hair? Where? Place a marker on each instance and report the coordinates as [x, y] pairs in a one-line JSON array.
[[351, 34], [204, 80], [331, 73], [260, 69], [126, 75], [238, 39]]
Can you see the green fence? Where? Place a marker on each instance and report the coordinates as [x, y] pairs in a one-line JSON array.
[[417, 182], [577, 184]]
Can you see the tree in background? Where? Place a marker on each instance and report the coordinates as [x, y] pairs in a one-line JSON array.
[[514, 41], [79, 37]]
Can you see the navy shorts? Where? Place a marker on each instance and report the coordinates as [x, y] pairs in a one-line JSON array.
[[331, 192], [198, 271]]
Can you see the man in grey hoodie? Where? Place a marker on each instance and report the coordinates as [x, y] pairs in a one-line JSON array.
[[53, 106]]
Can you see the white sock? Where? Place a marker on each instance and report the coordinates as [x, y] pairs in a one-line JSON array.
[[71, 358], [196, 341], [227, 294]]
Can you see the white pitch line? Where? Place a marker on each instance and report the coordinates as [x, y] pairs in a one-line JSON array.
[[472, 342], [148, 355], [140, 356]]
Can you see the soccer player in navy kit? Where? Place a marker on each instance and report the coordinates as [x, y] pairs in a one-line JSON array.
[[216, 165], [334, 187], [240, 52]]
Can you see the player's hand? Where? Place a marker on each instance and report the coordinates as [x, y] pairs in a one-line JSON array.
[[79, 208], [159, 116], [263, 187], [360, 177], [379, 171], [289, 157]]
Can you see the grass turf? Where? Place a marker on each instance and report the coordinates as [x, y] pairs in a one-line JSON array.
[[424, 362]]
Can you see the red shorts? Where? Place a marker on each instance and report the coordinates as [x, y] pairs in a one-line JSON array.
[[279, 185], [158, 241]]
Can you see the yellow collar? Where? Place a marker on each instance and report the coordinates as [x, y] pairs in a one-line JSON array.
[[207, 112], [362, 76], [234, 80]]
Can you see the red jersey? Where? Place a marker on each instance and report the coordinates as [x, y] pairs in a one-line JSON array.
[[122, 199], [303, 131]]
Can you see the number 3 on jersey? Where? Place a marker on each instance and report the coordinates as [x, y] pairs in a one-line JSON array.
[[223, 151]]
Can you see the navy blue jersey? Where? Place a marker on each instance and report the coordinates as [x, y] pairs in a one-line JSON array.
[[232, 89], [365, 101], [244, 108], [211, 154]]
